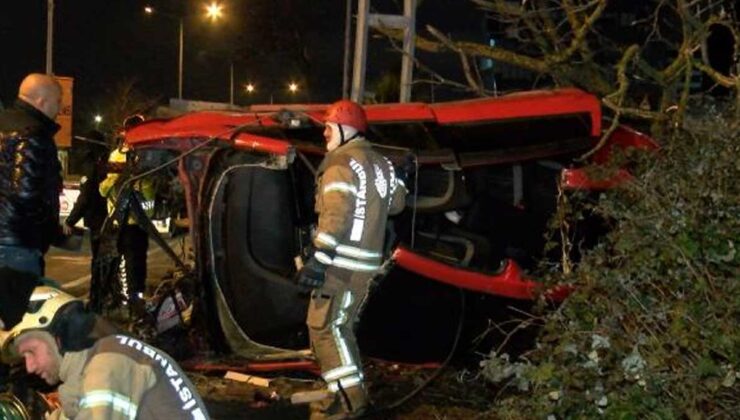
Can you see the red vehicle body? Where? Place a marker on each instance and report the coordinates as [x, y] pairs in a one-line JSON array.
[[488, 173]]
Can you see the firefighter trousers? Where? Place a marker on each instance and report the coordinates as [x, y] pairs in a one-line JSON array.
[[133, 244], [333, 314]]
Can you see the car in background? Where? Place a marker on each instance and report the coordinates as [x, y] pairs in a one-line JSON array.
[[68, 198]]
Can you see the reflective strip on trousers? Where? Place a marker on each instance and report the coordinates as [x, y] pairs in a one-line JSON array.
[[354, 265], [123, 277], [346, 263], [339, 373], [345, 357], [354, 252], [117, 402]]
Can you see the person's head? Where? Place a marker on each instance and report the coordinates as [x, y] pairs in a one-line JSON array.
[[96, 147], [53, 323], [132, 121], [43, 92], [344, 121], [40, 352]]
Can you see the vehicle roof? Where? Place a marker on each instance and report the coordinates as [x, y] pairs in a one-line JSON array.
[[222, 124]]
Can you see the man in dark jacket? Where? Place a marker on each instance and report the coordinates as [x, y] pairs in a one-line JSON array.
[[30, 175]]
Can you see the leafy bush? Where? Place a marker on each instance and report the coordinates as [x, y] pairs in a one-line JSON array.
[[652, 329]]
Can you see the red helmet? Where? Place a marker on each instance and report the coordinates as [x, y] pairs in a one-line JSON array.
[[347, 112]]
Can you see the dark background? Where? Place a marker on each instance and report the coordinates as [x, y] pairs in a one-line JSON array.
[[103, 44]]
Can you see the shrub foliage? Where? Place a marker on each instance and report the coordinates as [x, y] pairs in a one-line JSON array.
[[652, 328]]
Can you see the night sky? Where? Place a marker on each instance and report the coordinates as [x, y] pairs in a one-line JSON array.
[[103, 44]]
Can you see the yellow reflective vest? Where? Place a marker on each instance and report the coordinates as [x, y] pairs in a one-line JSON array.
[[144, 187]]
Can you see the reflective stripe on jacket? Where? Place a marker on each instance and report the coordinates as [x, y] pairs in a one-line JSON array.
[[356, 190], [143, 187], [122, 378]]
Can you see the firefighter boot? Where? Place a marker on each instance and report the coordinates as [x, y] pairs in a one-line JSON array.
[[349, 403]]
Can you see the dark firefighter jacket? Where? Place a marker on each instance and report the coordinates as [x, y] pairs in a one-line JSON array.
[[122, 378], [30, 178], [356, 190]]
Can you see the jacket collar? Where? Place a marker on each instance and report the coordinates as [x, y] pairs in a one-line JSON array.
[[47, 124], [356, 143], [73, 362]]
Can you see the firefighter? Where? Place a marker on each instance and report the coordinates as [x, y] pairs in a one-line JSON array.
[[132, 242], [104, 375], [356, 190]]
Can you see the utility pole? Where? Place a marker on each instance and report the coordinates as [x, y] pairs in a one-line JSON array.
[[407, 61], [358, 70], [181, 48], [406, 22], [347, 46], [231, 87], [49, 35]]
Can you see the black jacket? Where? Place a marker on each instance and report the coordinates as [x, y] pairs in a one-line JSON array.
[[90, 205], [30, 178]]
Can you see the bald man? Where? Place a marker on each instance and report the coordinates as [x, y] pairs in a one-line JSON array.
[[30, 175]]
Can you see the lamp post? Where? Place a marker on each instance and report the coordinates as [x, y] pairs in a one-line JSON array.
[[214, 11], [231, 83], [179, 60], [49, 35]]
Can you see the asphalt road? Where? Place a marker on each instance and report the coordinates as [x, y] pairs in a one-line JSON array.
[[72, 269]]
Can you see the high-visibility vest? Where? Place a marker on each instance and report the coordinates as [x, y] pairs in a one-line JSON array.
[[144, 187]]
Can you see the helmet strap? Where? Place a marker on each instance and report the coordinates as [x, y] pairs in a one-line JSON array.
[[341, 134]]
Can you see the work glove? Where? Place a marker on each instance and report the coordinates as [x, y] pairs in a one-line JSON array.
[[406, 171], [313, 273]]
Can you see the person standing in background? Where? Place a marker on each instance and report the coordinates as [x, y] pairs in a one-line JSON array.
[[30, 175], [91, 206]]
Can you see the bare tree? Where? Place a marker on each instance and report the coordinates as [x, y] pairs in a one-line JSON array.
[[121, 101], [641, 68]]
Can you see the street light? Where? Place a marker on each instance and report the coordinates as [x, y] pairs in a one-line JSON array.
[[214, 11], [98, 119], [251, 88]]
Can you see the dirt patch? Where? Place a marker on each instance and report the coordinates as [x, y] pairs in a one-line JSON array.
[[454, 394]]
